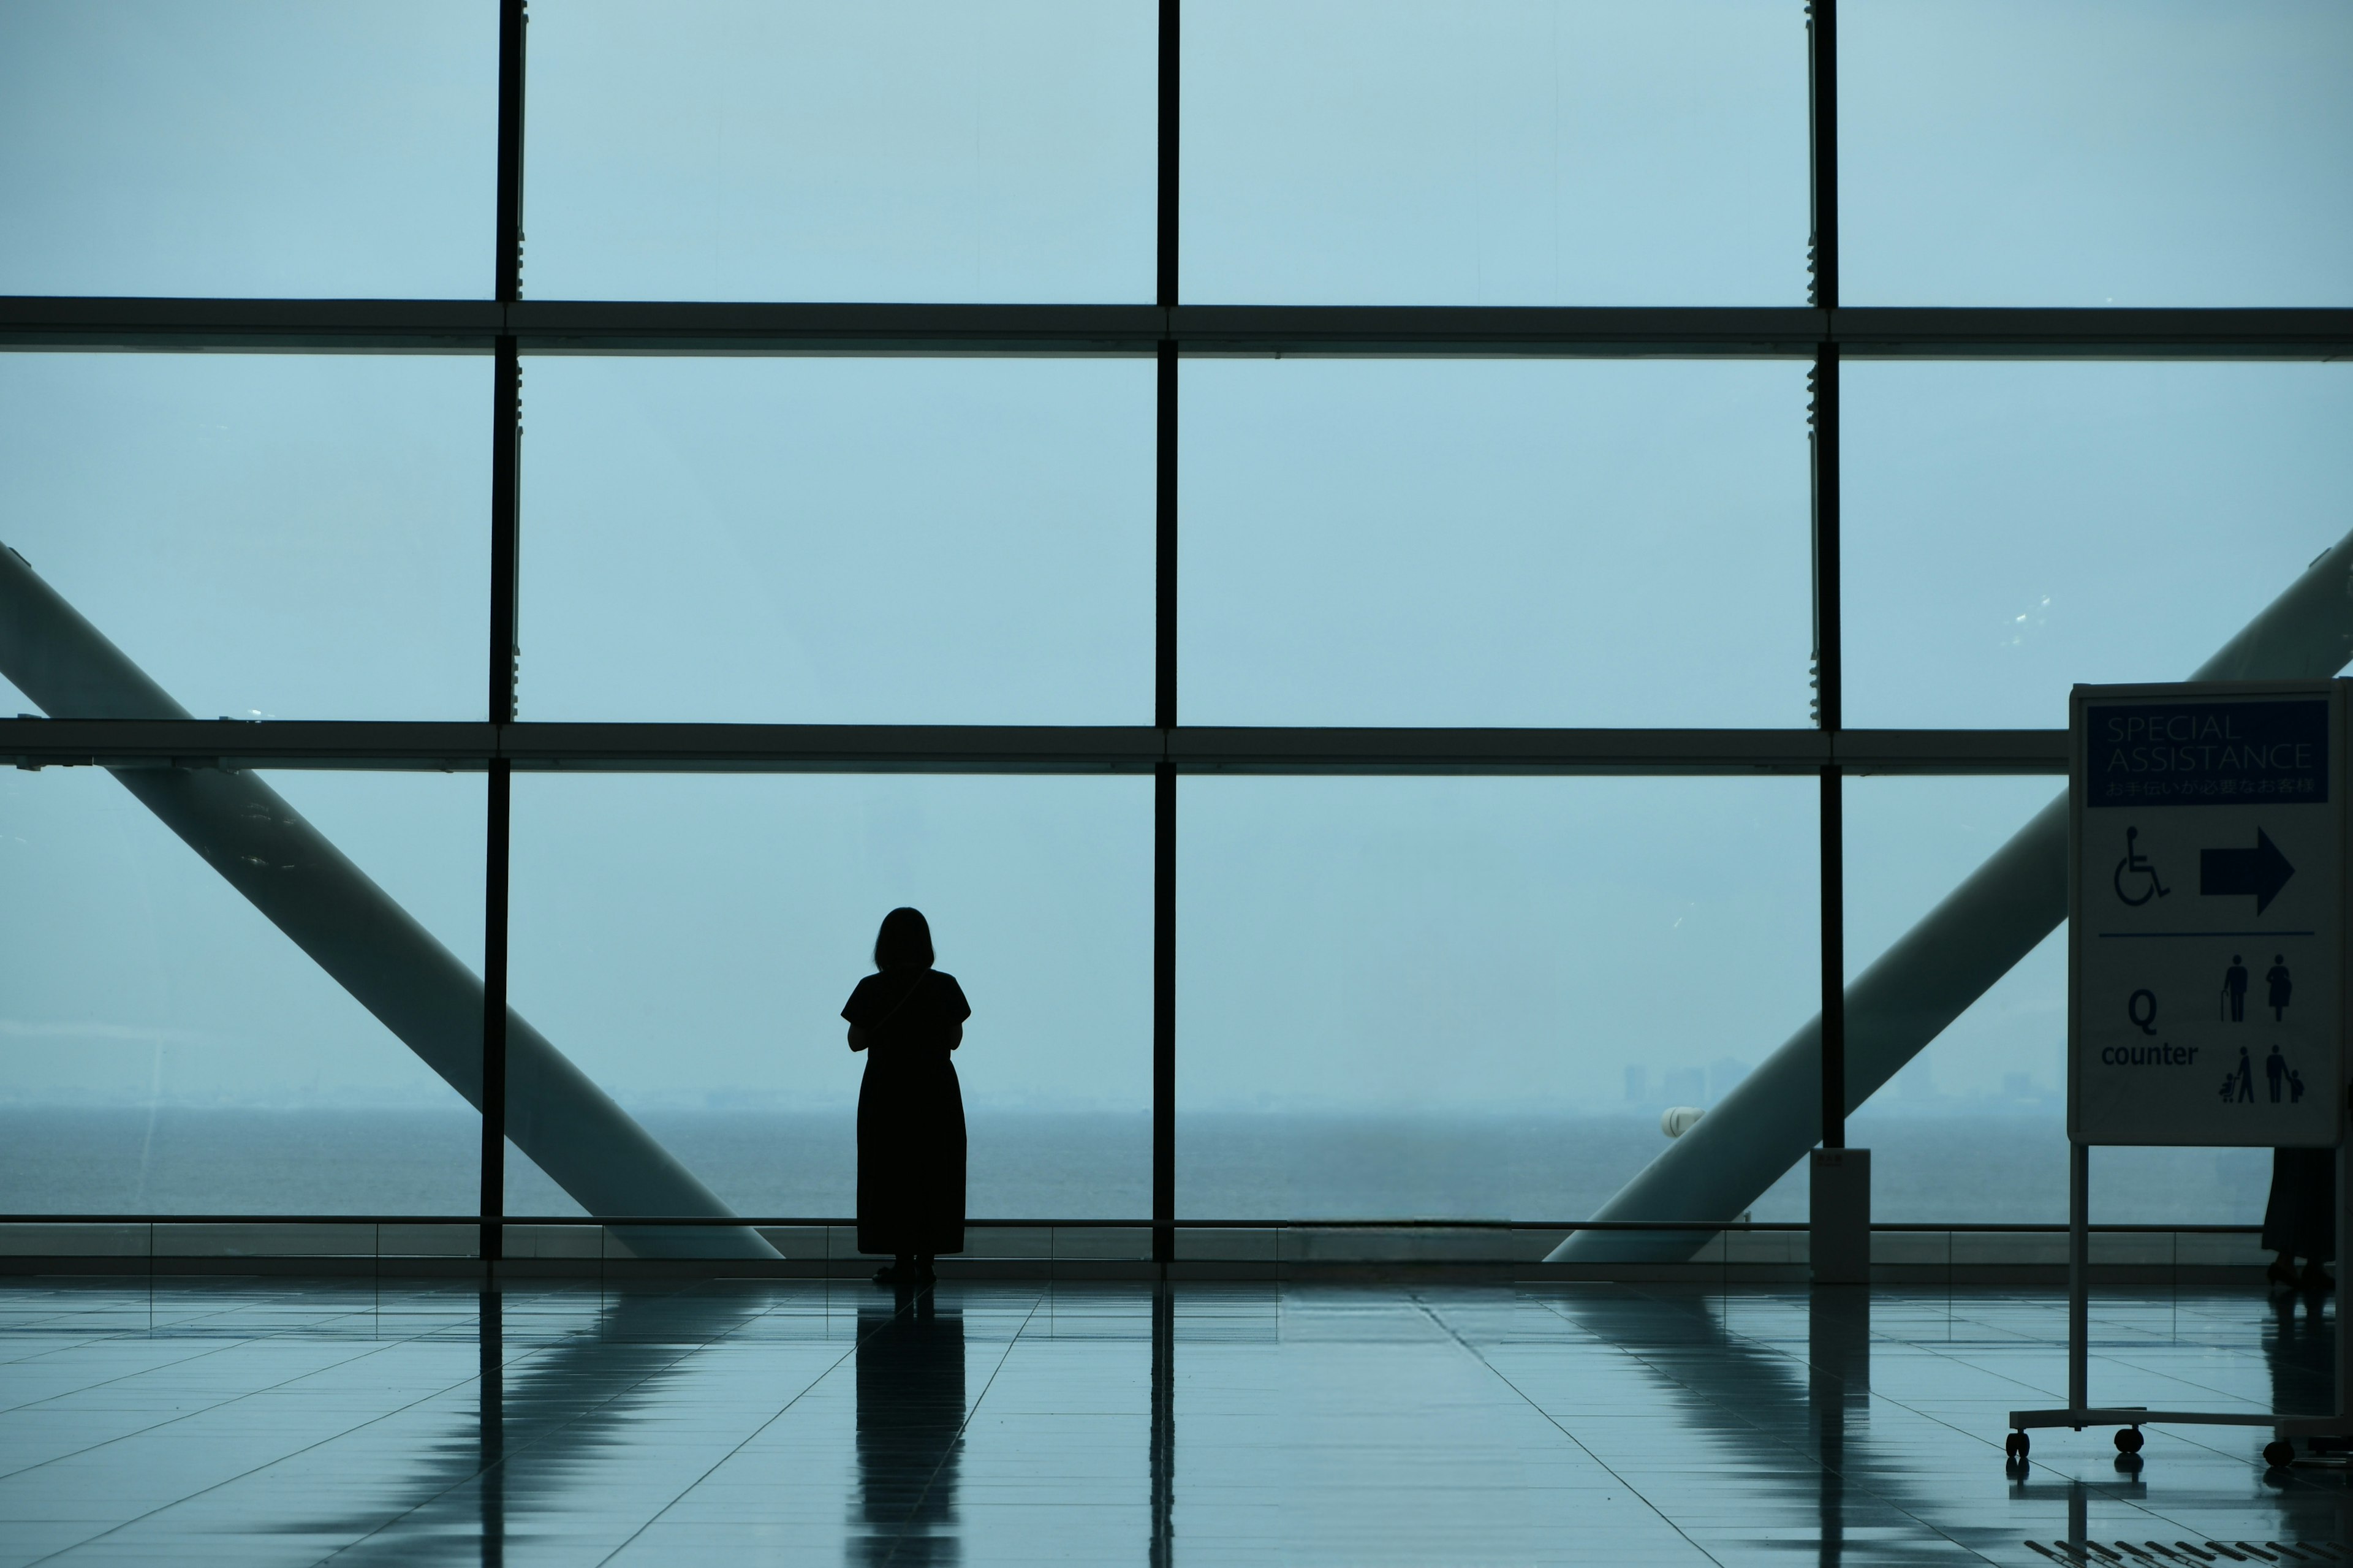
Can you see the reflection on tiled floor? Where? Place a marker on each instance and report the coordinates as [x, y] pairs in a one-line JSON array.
[[253, 1422]]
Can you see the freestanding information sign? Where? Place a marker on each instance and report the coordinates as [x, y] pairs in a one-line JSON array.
[[2205, 987]]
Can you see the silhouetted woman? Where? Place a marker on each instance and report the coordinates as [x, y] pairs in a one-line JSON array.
[[907, 1017]]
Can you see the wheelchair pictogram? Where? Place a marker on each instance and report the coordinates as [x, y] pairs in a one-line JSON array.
[[2136, 870]]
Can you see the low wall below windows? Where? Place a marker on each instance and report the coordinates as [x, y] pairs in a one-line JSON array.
[[1757, 1256]]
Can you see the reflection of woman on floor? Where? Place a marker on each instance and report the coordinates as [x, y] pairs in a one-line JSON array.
[[2300, 1220], [907, 1017], [910, 1411]]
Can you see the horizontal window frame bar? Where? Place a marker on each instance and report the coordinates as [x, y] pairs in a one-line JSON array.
[[72, 323], [1294, 751], [843, 1222]]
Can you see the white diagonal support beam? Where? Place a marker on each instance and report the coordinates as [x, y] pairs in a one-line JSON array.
[[1930, 975], [356, 931]]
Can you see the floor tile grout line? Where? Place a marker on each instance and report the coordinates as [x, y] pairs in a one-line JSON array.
[[188, 1359], [266, 1464], [377, 1349], [1921, 1349], [832, 1367], [147, 1333], [1607, 1469], [971, 1410], [2102, 1488], [238, 1342], [1767, 1347], [1928, 1349], [549, 1433], [476, 1474], [966, 1425]]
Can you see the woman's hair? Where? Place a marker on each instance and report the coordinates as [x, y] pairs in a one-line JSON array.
[[904, 941]]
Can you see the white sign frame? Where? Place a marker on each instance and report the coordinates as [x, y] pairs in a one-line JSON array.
[[2158, 1101], [2169, 982]]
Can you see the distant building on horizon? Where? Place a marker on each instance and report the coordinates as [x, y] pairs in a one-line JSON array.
[[1684, 1086]]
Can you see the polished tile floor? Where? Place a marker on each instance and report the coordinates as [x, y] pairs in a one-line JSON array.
[[263, 1423]]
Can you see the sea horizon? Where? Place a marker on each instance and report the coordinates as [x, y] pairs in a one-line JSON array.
[[1940, 1166]]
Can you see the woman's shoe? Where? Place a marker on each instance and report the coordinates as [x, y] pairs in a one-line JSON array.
[[2282, 1272], [2315, 1277]]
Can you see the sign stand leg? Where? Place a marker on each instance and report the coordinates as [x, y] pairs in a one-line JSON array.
[[2344, 1334], [2079, 1276]]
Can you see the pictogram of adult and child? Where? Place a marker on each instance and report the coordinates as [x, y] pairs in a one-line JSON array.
[[2239, 1083]]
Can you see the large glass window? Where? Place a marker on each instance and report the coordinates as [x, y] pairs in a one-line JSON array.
[[248, 147], [1532, 152], [167, 1048], [1462, 999], [2103, 152], [268, 536], [2014, 529], [1452, 995], [838, 540], [1495, 541], [913, 150], [689, 944]]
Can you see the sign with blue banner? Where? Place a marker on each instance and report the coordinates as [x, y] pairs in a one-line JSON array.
[[2205, 753], [2206, 967]]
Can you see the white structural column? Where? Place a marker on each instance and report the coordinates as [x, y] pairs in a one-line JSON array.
[[356, 931], [1930, 975]]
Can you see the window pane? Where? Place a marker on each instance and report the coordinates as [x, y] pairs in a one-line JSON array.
[[1451, 997], [295, 536], [695, 966], [2014, 529], [1530, 153], [165, 1048], [913, 150], [248, 147], [1975, 1129], [2127, 152], [1495, 541], [838, 540]]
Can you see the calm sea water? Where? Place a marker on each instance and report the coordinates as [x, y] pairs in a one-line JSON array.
[[1941, 1167]]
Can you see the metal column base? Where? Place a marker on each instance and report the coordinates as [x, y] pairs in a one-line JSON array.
[[1839, 1242]]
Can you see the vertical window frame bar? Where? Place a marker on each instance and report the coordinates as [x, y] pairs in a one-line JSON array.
[[1823, 261], [1164, 696], [506, 474]]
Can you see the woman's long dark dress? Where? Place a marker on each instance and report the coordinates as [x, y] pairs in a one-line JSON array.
[[910, 1112], [2301, 1217]]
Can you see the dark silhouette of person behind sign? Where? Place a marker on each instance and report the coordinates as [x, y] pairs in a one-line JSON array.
[[907, 1017], [2300, 1217], [2276, 978], [2275, 1069], [2234, 989]]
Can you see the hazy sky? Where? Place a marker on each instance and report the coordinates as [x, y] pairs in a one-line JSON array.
[[908, 540]]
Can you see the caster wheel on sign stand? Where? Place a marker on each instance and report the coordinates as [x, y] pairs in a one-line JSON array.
[[2279, 1454], [2015, 1445], [2128, 1439]]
